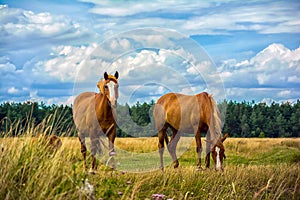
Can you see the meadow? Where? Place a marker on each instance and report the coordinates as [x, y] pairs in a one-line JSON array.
[[256, 168]]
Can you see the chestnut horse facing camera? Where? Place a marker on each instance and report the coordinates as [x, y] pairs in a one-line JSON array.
[[190, 114], [94, 115]]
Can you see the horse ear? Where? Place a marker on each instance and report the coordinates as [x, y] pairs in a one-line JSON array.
[[224, 137], [117, 74], [105, 75]]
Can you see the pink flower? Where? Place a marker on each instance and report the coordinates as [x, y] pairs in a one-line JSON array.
[[158, 196], [128, 182], [112, 153]]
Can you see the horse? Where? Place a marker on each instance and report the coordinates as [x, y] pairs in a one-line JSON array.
[[190, 114], [52, 142], [94, 115]]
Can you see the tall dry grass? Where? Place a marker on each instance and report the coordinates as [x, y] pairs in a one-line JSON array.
[[255, 169]]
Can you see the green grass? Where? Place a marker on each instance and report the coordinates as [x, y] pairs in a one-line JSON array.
[[254, 169]]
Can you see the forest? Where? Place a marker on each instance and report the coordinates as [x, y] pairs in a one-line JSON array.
[[242, 119]]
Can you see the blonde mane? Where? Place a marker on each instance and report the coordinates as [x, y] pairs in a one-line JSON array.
[[102, 82], [100, 85]]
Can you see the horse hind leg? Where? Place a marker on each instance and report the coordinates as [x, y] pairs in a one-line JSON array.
[[161, 139], [111, 141], [172, 146]]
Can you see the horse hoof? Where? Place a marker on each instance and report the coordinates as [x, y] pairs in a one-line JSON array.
[[200, 169], [176, 164], [113, 168], [92, 171]]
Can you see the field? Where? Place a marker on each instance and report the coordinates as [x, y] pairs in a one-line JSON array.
[[254, 169]]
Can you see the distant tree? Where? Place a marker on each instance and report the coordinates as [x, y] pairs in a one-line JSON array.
[[295, 121], [242, 119], [245, 128], [261, 135]]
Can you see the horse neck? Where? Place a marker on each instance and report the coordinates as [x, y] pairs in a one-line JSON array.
[[103, 109]]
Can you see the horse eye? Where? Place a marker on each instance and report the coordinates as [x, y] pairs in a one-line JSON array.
[[105, 86]]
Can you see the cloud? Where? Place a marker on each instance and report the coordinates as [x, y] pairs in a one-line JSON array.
[[293, 79], [6, 68], [29, 83], [43, 51], [144, 72], [67, 62], [13, 90], [83, 63], [253, 16], [195, 17], [267, 95], [125, 8], [284, 93], [272, 73], [26, 29], [202, 67], [149, 64]]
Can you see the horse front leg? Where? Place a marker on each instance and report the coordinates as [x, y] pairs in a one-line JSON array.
[[111, 141], [208, 149]]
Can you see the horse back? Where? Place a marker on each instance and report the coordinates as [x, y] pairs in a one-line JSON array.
[[178, 110], [82, 102]]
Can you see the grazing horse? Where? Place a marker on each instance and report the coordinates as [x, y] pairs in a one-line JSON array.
[[51, 142], [190, 114], [94, 115]]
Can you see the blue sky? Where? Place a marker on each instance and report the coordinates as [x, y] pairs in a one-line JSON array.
[[52, 50]]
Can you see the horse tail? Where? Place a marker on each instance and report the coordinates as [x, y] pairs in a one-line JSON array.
[[215, 122]]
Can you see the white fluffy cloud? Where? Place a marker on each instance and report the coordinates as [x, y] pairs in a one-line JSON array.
[[67, 62], [272, 73], [6, 68], [29, 83], [144, 72], [83, 63], [20, 28]]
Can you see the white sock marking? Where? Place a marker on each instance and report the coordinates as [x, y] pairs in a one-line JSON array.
[[218, 158]]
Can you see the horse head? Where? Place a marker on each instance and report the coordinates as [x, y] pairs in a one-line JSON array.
[[218, 153], [109, 87]]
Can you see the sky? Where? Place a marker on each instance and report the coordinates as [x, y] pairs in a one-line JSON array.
[[53, 50]]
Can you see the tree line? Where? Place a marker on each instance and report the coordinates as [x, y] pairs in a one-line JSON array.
[[242, 119]]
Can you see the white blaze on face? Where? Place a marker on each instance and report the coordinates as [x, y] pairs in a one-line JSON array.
[[112, 92], [218, 164]]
